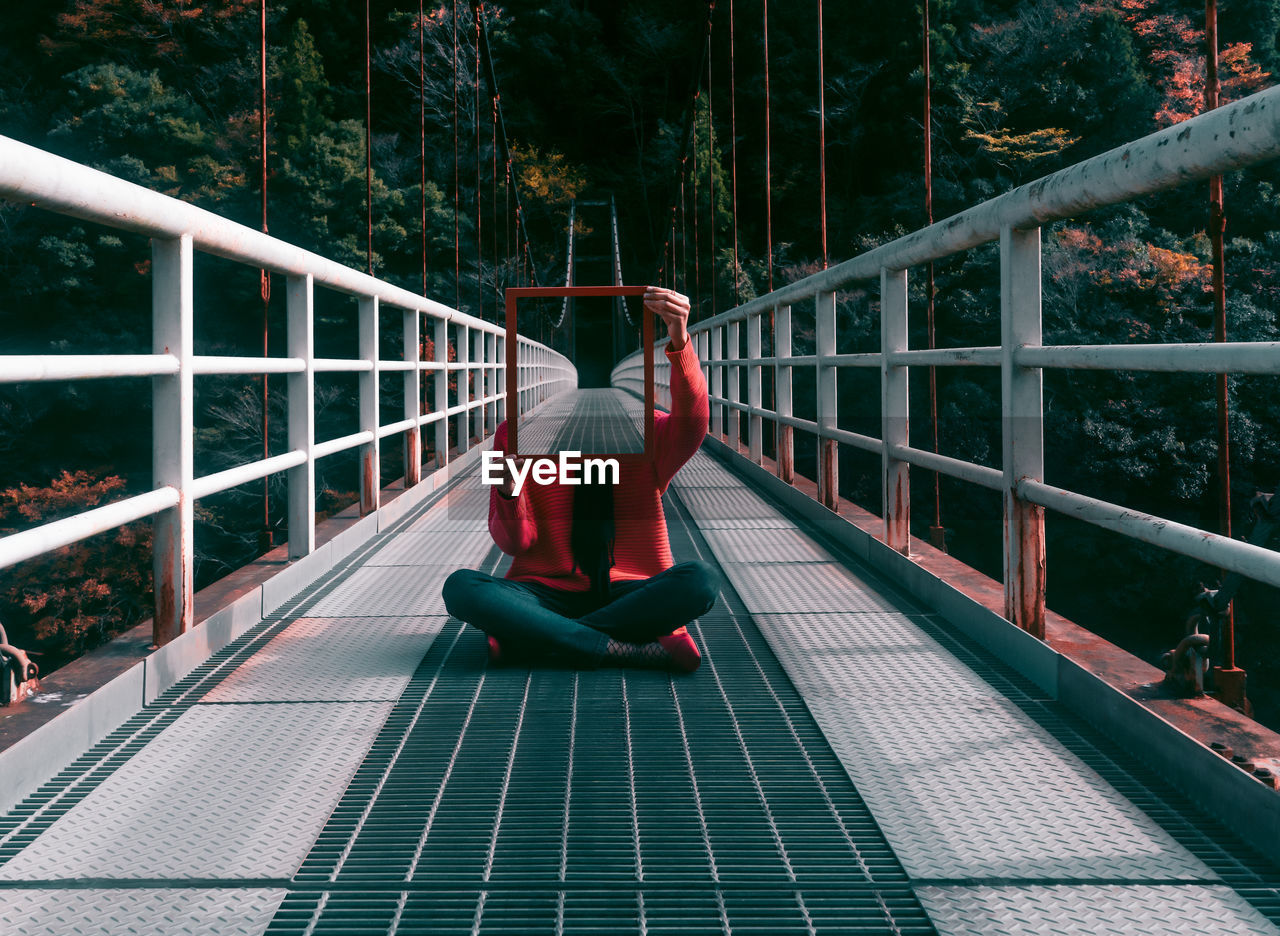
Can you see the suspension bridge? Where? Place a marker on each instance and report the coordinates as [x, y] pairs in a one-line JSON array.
[[880, 739]]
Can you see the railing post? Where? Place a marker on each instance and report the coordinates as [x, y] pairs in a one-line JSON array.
[[717, 381], [441, 343], [477, 357], [894, 410], [300, 342], [370, 468], [755, 398], [500, 376], [1022, 422], [463, 344], [412, 398], [173, 431], [732, 413], [786, 435], [825, 345], [490, 382]]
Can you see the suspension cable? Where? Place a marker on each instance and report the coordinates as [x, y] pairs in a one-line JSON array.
[[688, 134], [1217, 227], [490, 77], [368, 141], [684, 229], [937, 535], [697, 224], [422, 119], [768, 146], [711, 180], [457, 242], [822, 140], [733, 166], [479, 207], [264, 286]]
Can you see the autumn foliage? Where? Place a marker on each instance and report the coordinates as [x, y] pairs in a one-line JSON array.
[[80, 595]]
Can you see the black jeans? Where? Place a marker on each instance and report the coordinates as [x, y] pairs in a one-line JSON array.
[[530, 617]]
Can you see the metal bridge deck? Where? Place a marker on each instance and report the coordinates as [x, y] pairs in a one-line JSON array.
[[601, 420], [842, 763]]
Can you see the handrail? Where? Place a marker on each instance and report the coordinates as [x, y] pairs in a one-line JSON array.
[[178, 229], [1232, 137]]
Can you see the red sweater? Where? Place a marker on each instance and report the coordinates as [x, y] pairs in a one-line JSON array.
[[534, 527]]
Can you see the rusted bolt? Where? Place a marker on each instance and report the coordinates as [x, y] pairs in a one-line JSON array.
[[1243, 763], [1266, 776], [1219, 748]]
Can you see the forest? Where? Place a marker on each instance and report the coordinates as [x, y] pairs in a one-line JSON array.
[[600, 100]]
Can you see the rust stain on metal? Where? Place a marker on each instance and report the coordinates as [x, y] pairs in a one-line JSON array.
[[369, 488], [830, 496], [786, 454]]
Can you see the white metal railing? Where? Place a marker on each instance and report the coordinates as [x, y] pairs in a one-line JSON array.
[[1238, 135], [177, 230]]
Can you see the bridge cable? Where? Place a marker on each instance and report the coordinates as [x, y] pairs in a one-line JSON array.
[[711, 182], [1217, 226], [479, 207], [368, 142], [422, 120], [937, 534], [265, 540], [688, 136], [768, 175], [697, 225], [684, 228], [457, 243], [733, 141], [491, 79], [822, 140]]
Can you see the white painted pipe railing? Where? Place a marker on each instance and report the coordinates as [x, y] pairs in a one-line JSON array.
[[1241, 134], [177, 231]]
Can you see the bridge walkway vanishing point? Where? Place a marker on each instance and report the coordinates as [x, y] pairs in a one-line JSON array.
[[843, 762]]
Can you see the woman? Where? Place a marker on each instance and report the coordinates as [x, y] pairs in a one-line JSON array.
[[592, 575]]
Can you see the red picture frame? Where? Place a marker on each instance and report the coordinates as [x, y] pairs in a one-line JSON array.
[[513, 296]]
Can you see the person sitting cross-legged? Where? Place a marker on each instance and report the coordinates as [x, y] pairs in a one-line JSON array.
[[592, 576]]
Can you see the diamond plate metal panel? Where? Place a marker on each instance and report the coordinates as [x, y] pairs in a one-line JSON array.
[[105, 912], [868, 657], [1090, 910], [225, 791], [386, 591], [777, 545], [333, 660], [722, 507], [814, 587], [461, 549], [461, 509], [975, 789]]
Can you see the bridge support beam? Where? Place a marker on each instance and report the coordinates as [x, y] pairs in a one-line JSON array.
[[173, 431], [786, 435], [895, 428], [824, 328], [1023, 429], [370, 463], [300, 343]]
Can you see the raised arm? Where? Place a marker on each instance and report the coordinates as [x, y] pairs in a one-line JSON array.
[[678, 434]]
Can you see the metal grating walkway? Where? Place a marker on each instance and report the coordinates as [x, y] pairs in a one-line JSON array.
[[842, 763], [599, 421]]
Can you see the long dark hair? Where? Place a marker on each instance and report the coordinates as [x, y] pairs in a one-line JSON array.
[[592, 535]]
